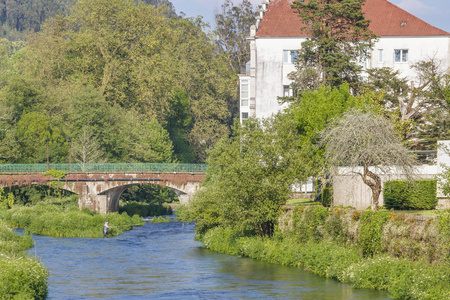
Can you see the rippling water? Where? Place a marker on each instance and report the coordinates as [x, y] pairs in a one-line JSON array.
[[162, 261]]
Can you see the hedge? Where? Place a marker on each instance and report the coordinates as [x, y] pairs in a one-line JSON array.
[[403, 194]]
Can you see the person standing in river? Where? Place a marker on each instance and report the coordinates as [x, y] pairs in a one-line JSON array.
[[106, 227]]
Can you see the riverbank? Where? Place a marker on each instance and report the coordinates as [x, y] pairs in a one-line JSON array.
[[406, 257], [21, 276]]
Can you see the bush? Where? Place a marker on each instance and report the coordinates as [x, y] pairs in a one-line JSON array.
[[327, 196], [402, 194], [370, 234], [21, 277], [145, 210], [307, 223]]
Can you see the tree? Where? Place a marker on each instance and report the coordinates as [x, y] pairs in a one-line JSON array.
[[17, 18], [421, 104], [138, 59], [86, 148], [248, 179], [339, 40], [364, 139], [233, 26]]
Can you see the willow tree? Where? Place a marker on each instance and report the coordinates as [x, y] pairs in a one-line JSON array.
[[367, 145], [339, 39]]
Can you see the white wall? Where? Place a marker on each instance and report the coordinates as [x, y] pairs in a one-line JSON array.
[[271, 74], [419, 48]]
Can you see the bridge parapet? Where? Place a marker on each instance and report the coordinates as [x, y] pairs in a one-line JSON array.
[[108, 168]]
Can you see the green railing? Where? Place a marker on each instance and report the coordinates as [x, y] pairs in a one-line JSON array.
[[107, 168]]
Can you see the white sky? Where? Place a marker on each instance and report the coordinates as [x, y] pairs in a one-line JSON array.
[[434, 12]]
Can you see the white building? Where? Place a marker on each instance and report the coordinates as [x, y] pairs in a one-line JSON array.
[[404, 39]]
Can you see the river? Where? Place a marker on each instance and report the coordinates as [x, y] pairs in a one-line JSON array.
[[162, 261]]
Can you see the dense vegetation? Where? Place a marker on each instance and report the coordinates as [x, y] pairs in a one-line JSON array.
[[402, 194], [62, 218], [374, 250], [123, 82], [21, 277]]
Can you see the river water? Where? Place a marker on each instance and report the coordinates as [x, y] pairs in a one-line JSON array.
[[162, 261]]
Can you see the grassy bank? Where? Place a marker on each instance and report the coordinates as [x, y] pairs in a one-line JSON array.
[[61, 218], [406, 257], [21, 276]]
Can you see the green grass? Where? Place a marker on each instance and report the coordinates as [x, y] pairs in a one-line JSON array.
[[302, 201]]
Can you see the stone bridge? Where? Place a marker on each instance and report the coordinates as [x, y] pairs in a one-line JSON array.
[[101, 192], [100, 189]]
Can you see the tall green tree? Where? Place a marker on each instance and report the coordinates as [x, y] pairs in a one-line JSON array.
[[339, 40], [421, 102], [137, 58], [233, 24], [249, 178]]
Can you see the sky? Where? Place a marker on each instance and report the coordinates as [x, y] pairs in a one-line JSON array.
[[434, 12]]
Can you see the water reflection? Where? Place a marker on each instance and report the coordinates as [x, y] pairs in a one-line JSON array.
[[162, 261]]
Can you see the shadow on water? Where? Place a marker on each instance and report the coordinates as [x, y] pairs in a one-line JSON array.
[[162, 261]]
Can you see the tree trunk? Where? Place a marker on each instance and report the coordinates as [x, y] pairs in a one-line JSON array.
[[374, 182]]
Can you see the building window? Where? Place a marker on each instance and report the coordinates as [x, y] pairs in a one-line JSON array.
[[400, 55], [380, 55], [289, 56], [244, 116], [245, 92], [287, 91]]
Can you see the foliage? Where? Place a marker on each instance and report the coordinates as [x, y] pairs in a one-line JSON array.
[[6, 199], [21, 277], [137, 59], [327, 196], [149, 193], [402, 278], [422, 104], [402, 194], [370, 149], [62, 218], [17, 18], [124, 82], [160, 219], [144, 210], [56, 174], [249, 177], [371, 232], [232, 27], [311, 115], [339, 40], [307, 221]]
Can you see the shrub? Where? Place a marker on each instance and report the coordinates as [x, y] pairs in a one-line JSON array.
[[370, 234], [145, 210], [402, 194], [327, 196], [22, 277], [307, 223]]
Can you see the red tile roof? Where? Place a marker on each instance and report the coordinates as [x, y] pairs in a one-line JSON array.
[[387, 19]]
